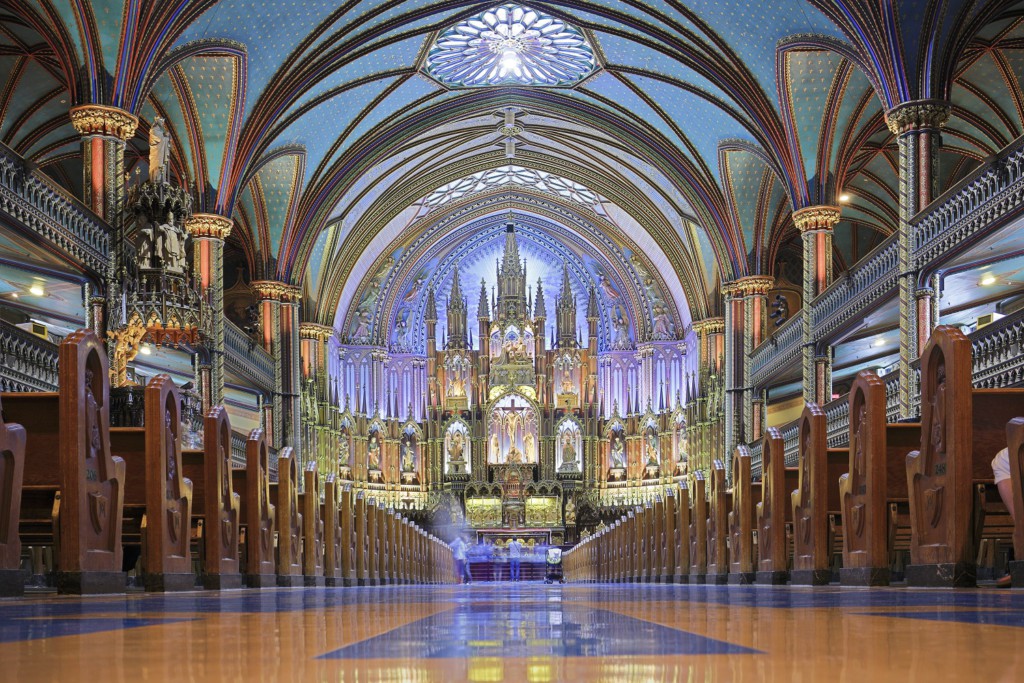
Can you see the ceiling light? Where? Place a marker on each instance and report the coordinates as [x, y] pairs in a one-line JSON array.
[[844, 198], [987, 280], [14, 295], [879, 342], [145, 350], [510, 60], [37, 290]]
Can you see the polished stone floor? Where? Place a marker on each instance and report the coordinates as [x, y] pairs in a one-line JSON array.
[[519, 632]]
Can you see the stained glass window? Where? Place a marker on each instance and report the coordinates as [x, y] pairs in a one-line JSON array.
[[511, 45], [513, 175]]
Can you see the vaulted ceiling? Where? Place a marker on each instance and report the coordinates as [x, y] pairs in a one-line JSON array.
[[704, 124]]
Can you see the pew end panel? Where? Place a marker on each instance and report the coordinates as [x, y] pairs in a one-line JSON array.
[[284, 495], [774, 510], [258, 513], [741, 519], [222, 505], [1015, 446], [12, 471]]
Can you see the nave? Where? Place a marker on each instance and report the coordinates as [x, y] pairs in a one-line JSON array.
[[520, 632]]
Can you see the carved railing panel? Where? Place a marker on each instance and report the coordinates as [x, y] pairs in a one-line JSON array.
[[27, 362], [245, 357], [780, 350], [34, 201], [868, 281]]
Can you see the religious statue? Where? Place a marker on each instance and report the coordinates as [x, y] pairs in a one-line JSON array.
[[173, 246], [621, 325], [528, 447], [570, 512], [515, 456], [567, 385], [159, 151], [662, 324], [361, 326], [455, 445], [652, 448], [618, 452], [457, 387], [373, 451], [495, 449], [568, 448], [343, 450], [408, 455]]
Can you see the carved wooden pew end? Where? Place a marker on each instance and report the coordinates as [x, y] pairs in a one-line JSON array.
[[12, 462]]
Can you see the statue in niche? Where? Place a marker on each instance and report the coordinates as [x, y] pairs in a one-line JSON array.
[[495, 449], [651, 445], [567, 383], [456, 387], [408, 454], [570, 512], [373, 451], [361, 327], [568, 448], [528, 447], [456, 445], [159, 151], [343, 451], [618, 451]]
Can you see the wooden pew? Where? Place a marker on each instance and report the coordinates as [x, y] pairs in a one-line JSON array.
[[950, 477], [284, 495], [348, 538], [698, 529], [874, 491], [382, 543], [215, 502], [1015, 445], [719, 502], [745, 496], [334, 534], [12, 469], [666, 574], [682, 537], [362, 540], [72, 493], [774, 511], [816, 497], [156, 490], [313, 545], [257, 512]]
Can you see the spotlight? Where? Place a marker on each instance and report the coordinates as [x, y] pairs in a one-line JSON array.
[[844, 198], [987, 280], [879, 342], [510, 61], [145, 350], [37, 290]]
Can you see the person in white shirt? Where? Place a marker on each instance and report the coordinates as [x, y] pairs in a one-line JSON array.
[[459, 553], [1001, 473], [515, 554]]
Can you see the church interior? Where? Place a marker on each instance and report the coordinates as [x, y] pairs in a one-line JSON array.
[[399, 340]]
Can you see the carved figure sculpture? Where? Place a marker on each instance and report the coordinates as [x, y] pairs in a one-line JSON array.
[[159, 151]]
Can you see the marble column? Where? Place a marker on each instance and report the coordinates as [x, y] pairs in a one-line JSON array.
[[917, 126], [208, 233], [816, 224], [318, 437], [279, 335], [711, 354], [745, 315]]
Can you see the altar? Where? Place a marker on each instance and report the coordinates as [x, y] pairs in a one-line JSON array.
[[500, 537]]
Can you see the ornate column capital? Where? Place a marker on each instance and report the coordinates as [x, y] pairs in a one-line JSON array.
[[98, 119], [709, 326], [910, 116], [209, 225], [822, 218], [316, 331], [273, 290], [748, 286]]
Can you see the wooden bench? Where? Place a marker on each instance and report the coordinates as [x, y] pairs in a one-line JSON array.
[[313, 542], [72, 492], [257, 513], [815, 500], [682, 536], [962, 429], [719, 503], [666, 572], [215, 503], [12, 469], [698, 528], [362, 541], [156, 492], [873, 493], [774, 511], [334, 534], [284, 495], [1015, 445], [745, 496]]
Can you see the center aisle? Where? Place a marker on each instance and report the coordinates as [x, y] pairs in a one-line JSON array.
[[519, 632]]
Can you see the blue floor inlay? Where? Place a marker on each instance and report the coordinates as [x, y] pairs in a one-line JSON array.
[[532, 630], [18, 630], [991, 617]]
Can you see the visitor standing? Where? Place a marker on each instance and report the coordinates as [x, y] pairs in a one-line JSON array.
[[459, 553], [515, 554]]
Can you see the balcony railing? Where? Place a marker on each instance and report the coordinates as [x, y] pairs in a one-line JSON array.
[[997, 350], [27, 362], [975, 206], [778, 351], [868, 281], [34, 201], [247, 358]]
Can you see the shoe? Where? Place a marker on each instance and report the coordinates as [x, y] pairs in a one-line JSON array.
[[1004, 581]]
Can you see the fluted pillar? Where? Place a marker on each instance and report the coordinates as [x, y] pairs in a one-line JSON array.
[[316, 400], [918, 129], [816, 224], [208, 233], [745, 306], [711, 349], [279, 325]]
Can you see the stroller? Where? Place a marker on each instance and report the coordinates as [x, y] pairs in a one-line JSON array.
[[554, 566]]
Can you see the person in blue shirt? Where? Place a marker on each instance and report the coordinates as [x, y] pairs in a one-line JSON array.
[[515, 554]]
